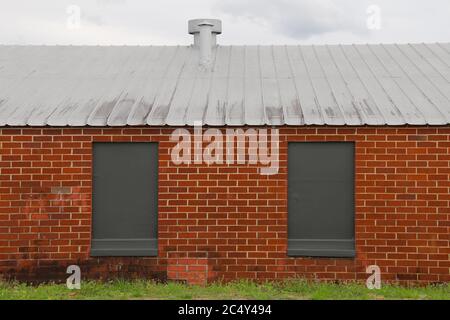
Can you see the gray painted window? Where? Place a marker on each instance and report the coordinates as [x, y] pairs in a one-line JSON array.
[[125, 199], [321, 199]]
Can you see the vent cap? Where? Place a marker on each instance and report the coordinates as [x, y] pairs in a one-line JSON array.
[[195, 26]]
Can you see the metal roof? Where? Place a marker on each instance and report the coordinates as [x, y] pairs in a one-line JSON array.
[[247, 85]]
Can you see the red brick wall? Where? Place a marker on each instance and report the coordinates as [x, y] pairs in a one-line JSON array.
[[226, 222]]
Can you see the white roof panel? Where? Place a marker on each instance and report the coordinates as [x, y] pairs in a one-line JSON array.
[[246, 85]]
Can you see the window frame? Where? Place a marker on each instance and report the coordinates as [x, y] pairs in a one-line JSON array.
[[326, 248], [130, 247]]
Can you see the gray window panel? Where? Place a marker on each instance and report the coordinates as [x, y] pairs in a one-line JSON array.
[[124, 247], [321, 199], [321, 248], [125, 199]]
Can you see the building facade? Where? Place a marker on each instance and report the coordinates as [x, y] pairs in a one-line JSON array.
[[226, 221], [345, 161]]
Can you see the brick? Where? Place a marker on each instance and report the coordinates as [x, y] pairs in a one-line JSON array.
[[228, 221]]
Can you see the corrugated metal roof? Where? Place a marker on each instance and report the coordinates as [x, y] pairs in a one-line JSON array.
[[253, 85]]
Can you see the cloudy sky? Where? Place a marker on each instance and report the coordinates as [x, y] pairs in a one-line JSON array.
[[244, 21]]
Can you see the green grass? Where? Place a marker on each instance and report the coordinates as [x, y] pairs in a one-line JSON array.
[[292, 289]]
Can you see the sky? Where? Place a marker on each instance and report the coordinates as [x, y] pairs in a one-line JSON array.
[[155, 22]]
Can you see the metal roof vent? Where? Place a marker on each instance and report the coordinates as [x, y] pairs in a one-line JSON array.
[[205, 32]]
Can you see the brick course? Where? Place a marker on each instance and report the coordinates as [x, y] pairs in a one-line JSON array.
[[226, 221]]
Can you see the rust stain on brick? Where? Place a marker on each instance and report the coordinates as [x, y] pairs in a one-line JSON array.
[[61, 190]]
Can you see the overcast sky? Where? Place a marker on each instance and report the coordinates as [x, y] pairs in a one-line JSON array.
[[244, 21]]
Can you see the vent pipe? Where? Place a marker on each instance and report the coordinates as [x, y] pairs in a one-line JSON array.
[[205, 43], [205, 32]]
